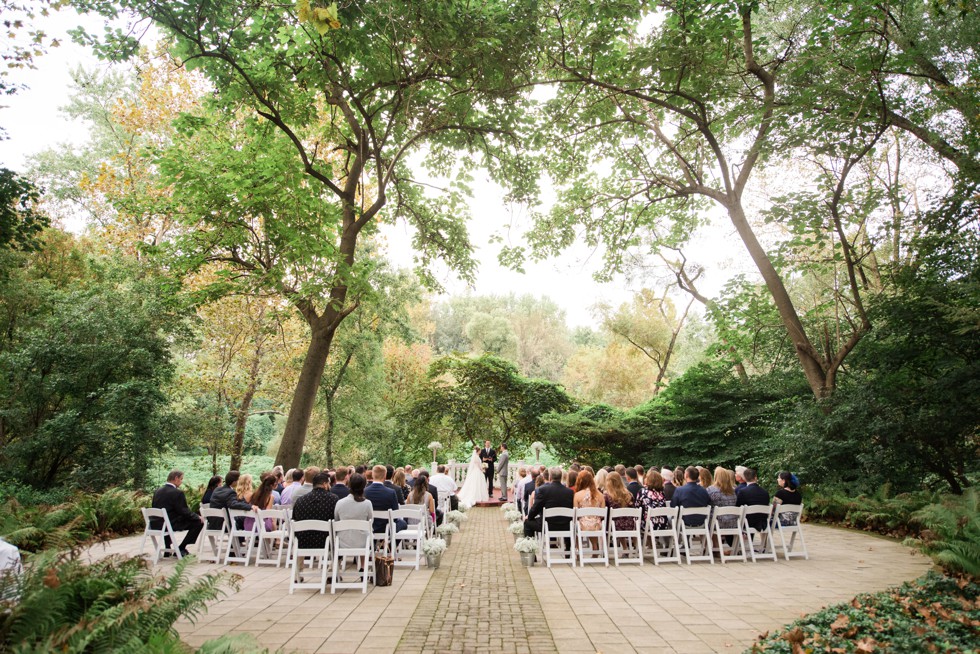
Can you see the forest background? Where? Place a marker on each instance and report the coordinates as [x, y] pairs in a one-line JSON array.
[[231, 299]]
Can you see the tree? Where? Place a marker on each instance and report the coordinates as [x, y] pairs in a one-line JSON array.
[[353, 99]]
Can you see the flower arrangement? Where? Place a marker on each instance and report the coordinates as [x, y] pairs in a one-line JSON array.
[[464, 507], [447, 528], [515, 528], [433, 546], [528, 544], [457, 517], [507, 506], [513, 515]]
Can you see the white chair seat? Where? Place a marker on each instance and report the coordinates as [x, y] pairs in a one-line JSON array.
[[159, 535], [313, 556], [735, 532], [692, 535], [211, 542], [663, 541], [627, 544], [362, 556], [241, 540], [767, 546], [792, 515], [558, 546], [591, 545]]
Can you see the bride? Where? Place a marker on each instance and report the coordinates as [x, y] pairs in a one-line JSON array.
[[474, 488]]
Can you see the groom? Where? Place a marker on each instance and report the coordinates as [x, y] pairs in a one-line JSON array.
[[489, 457], [502, 471]]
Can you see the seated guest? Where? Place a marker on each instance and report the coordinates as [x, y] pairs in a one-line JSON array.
[[339, 487], [651, 496], [668, 477], [572, 476], [787, 494], [307, 486], [538, 483], [225, 497], [704, 477], [318, 504], [277, 471], [752, 494], [275, 481], [679, 476], [446, 485], [617, 497], [550, 496], [389, 474], [633, 482], [382, 498], [529, 485], [588, 496], [691, 495], [171, 499], [286, 497], [213, 483], [722, 493], [420, 495], [399, 481], [518, 488], [354, 507], [739, 479], [409, 476], [262, 499], [600, 479]]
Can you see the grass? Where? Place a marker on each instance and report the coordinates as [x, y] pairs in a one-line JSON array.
[[197, 469]]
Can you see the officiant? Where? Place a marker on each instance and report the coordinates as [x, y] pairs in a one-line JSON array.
[[489, 457]]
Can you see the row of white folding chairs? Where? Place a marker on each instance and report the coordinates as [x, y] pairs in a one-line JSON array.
[[225, 538], [675, 541], [331, 559]]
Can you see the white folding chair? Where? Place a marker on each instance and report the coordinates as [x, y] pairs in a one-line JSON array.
[[364, 552], [732, 517], [792, 515], [416, 516], [204, 506], [553, 541], [271, 540], [211, 542], [690, 534], [592, 544], [768, 545], [240, 538], [309, 556], [627, 544], [382, 540], [663, 541], [158, 535]]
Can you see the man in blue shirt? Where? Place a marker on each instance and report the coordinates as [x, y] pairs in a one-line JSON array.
[[691, 495]]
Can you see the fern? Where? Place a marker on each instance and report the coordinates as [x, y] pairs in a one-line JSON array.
[[952, 532]]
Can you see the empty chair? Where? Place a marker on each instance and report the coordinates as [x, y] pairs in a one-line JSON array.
[[558, 546], [158, 530], [306, 561], [788, 520], [691, 535], [241, 541], [592, 544], [211, 542], [767, 547], [727, 521], [407, 543], [273, 529], [353, 540], [627, 544], [663, 541]]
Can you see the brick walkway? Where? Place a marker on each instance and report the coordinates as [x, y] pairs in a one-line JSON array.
[[480, 599]]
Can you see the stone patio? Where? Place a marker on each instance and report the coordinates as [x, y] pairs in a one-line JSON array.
[[482, 600]]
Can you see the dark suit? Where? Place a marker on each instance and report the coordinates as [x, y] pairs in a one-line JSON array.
[[340, 490], [489, 457], [691, 495], [174, 502], [634, 488], [401, 495], [552, 495], [225, 498], [753, 495], [381, 499]]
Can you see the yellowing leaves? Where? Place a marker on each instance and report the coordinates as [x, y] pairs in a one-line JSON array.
[[323, 18]]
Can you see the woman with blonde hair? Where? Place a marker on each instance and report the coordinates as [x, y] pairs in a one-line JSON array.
[[704, 476], [722, 493], [244, 488], [617, 497], [600, 479], [587, 496]]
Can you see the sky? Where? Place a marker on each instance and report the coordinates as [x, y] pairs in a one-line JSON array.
[[34, 123]]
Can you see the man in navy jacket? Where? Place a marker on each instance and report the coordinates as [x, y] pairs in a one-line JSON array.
[[382, 498], [752, 494], [691, 495]]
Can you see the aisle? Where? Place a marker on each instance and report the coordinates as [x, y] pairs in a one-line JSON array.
[[480, 599]]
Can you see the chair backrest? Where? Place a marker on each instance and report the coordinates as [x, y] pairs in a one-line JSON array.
[[669, 512], [410, 511], [721, 511], [156, 514], [217, 514], [626, 513], [780, 509], [278, 518], [234, 514], [357, 526], [693, 511], [760, 510], [558, 512], [297, 526]]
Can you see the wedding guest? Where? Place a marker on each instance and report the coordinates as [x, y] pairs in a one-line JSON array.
[[213, 484], [617, 497], [651, 496], [446, 486], [549, 496], [639, 471], [722, 493], [277, 471], [399, 481], [752, 494], [600, 479], [529, 486], [620, 470], [572, 476], [668, 476], [382, 498], [588, 496], [275, 494], [679, 476], [226, 498], [307, 486], [633, 482], [244, 488], [704, 477], [787, 494], [691, 495], [261, 499], [420, 495], [171, 499], [318, 504], [739, 478], [339, 487], [286, 498], [354, 507], [287, 481]]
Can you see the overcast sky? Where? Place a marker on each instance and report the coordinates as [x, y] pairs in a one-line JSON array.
[[34, 123]]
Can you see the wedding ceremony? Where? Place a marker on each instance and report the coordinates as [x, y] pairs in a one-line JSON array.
[[508, 326]]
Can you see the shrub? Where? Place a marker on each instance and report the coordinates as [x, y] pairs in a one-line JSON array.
[[931, 614], [951, 532], [112, 605]]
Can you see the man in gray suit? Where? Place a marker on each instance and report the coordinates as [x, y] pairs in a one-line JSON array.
[[502, 462]]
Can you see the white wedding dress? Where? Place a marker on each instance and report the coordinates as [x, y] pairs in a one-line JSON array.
[[474, 488]]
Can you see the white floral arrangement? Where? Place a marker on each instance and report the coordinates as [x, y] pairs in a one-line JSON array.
[[527, 544], [457, 517], [515, 528], [513, 515], [433, 546], [507, 506], [537, 445], [464, 507], [435, 445], [447, 528]]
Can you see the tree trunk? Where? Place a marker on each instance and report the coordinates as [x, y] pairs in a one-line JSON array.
[[328, 437], [241, 417], [304, 397]]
